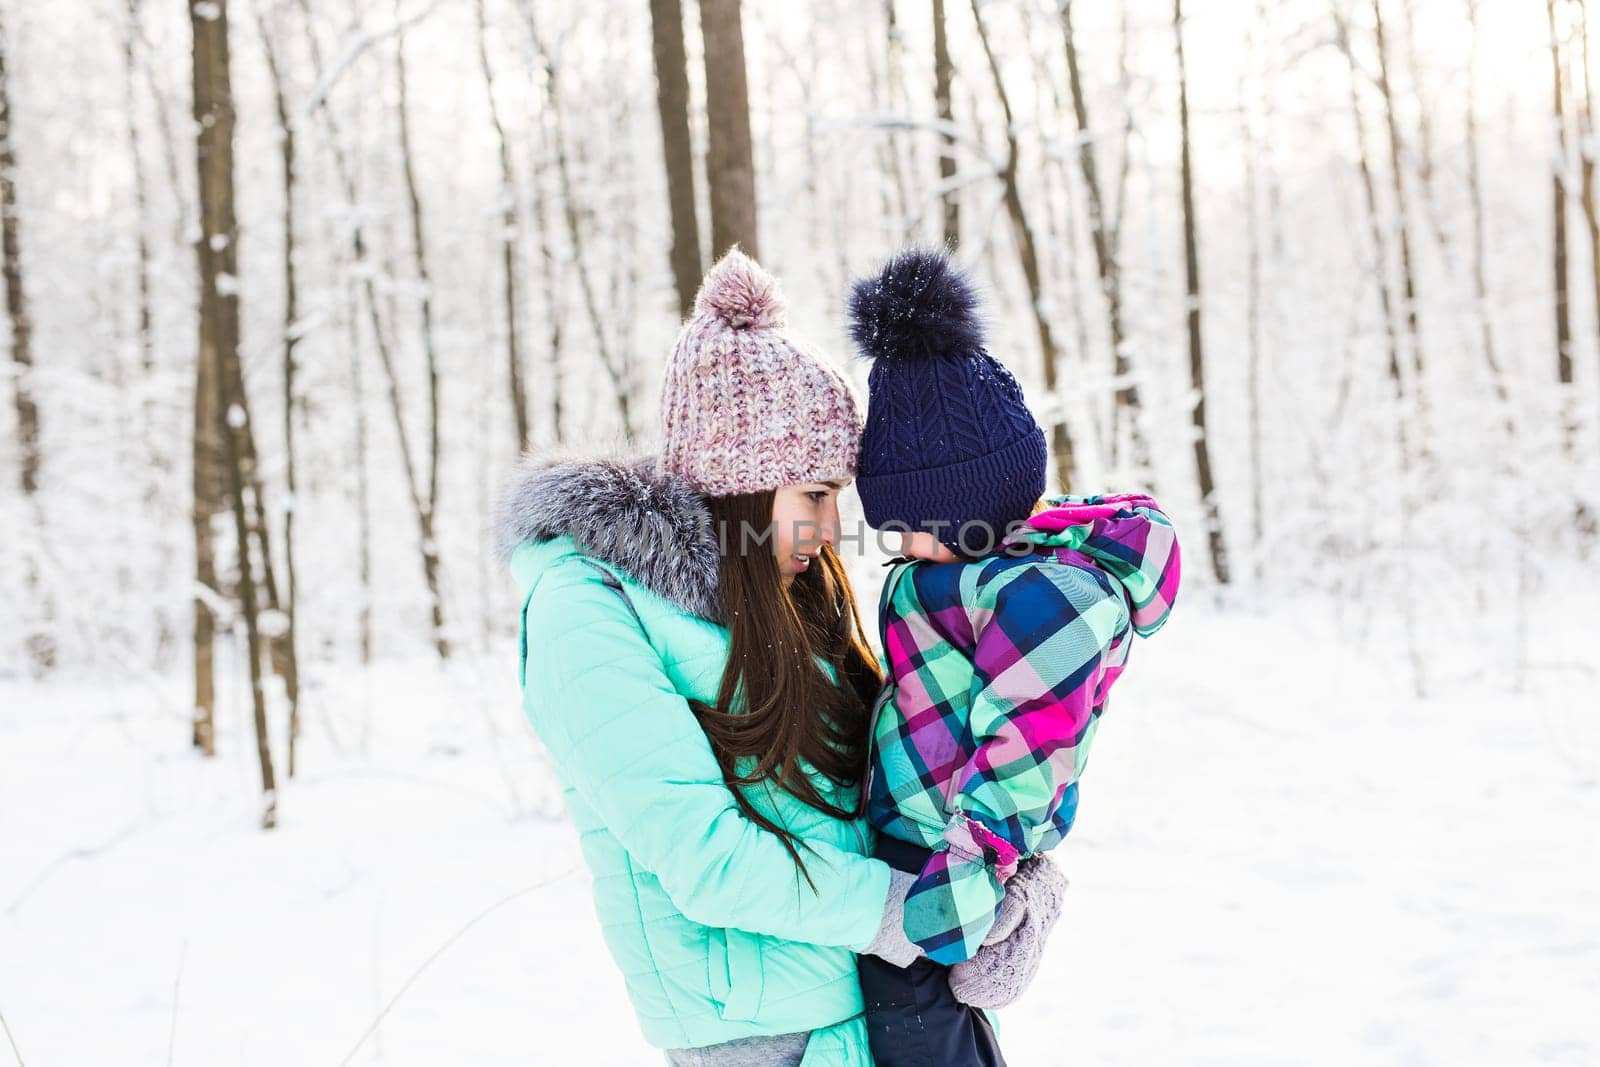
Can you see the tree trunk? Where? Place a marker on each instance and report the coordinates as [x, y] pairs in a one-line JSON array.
[[947, 145], [207, 503], [943, 104], [1583, 520], [1497, 378], [217, 251], [16, 298], [152, 431], [1254, 143], [554, 276], [39, 642], [1403, 225], [510, 230], [282, 652], [888, 97], [1127, 404], [421, 505], [1559, 212], [169, 140], [363, 464], [1380, 252], [895, 89], [146, 341], [1480, 284], [1426, 170], [730, 169], [1062, 246], [1022, 231], [285, 643], [1125, 92], [424, 498], [1396, 373], [672, 102], [1191, 265], [1586, 139], [613, 361]]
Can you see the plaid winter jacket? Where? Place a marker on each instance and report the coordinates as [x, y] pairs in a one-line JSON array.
[[998, 672]]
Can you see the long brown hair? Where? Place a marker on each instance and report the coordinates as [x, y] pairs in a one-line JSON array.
[[776, 705]]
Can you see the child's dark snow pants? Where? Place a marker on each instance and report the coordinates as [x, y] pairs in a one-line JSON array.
[[913, 1019]]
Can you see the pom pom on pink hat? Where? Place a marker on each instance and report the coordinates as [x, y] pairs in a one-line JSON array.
[[742, 295]]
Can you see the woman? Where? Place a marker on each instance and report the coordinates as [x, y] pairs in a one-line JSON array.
[[693, 662]]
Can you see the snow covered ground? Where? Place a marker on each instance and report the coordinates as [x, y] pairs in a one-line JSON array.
[[1282, 858]]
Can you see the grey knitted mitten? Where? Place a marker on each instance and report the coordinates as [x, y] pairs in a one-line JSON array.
[[890, 942], [1005, 965], [1013, 909]]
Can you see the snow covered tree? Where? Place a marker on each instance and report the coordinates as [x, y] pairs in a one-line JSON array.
[[221, 371]]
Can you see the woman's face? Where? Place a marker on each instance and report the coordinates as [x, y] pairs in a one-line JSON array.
[[804, 518]]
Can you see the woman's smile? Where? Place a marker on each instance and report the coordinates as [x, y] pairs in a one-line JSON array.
[[805, 520]]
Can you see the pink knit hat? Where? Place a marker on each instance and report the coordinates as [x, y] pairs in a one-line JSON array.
[[747, 406]]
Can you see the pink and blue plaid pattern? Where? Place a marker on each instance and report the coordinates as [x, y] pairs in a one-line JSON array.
[[998, 674]]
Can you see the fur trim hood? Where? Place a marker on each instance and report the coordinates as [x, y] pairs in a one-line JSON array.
[[620, 510]]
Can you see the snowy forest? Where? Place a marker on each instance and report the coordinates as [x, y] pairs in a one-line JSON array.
[[290, 285]]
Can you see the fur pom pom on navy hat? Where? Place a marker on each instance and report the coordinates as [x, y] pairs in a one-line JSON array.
[[949, 445]]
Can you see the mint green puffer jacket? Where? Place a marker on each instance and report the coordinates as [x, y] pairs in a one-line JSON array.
[[717, 935]]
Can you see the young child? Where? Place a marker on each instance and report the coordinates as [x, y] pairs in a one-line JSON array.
[[1002, 642]]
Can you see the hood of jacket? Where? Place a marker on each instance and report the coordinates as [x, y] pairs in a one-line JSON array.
[[620, 510], [1128, 536]]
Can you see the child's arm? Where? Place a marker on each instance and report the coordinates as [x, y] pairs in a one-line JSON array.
[[1039, 665]]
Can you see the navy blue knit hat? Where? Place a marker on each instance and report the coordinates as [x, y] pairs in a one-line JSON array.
[[949, 440]]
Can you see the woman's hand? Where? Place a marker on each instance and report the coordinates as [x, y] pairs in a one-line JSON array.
[[1009, 958]]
